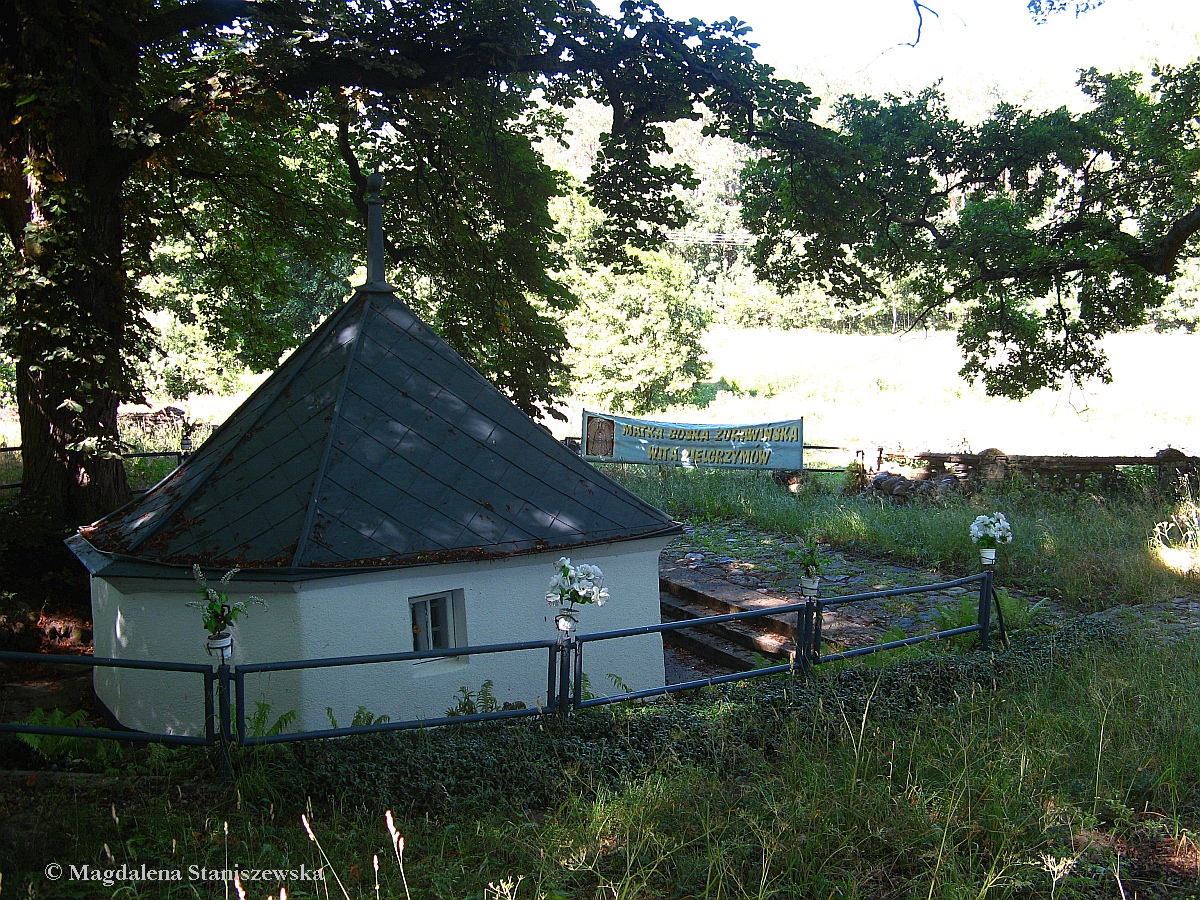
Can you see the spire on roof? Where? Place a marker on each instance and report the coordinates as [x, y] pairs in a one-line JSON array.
[[375, 244]]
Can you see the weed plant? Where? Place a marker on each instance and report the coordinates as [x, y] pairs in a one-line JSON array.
[[1089, 550], [1066, 767]]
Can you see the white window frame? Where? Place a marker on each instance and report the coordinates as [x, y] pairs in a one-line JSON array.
[[423, 615]]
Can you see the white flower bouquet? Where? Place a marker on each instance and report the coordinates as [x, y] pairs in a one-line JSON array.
[[989, 532], [570, 585]]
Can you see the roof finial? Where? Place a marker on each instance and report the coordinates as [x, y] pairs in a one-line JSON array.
[[375, 257]]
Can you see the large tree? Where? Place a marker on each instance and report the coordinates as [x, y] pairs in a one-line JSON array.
[[1054, 229], [240, 129]]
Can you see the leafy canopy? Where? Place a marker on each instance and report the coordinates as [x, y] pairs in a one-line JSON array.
[[1053, 228]]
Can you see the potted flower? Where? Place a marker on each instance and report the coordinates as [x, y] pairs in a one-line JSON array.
[[989, 532], [217, 613], [811, 566], [571, 585]]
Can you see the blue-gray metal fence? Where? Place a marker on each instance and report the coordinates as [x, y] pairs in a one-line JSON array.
[[809, 619], [240, 672], [225, 688], [210, 675]]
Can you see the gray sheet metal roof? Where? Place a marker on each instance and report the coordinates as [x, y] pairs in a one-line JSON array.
[[373, 445]]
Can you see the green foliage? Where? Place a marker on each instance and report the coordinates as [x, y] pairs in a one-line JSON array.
[[58, 748], [1090, 550], [257, 721], [216, 612], [8, 381], [954, 771], [636, 337], [217, 153], [471, 703], [808, 557], [363, 717], [1052, 229], [187, 363]]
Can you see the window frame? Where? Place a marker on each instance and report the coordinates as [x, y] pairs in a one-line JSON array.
[[425, 629]]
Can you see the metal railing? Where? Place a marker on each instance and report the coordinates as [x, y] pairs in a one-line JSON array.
[[225, 689], [809, 619], [553, 673], [209, 674], [179, 455]]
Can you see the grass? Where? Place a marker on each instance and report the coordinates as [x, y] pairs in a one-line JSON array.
[[1088, 550], [1051, 770]]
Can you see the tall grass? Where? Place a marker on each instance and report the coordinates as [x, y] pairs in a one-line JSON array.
[[1087, 550], [1051, 771]]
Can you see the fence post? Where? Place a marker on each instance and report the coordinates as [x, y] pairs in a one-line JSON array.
[[804, 627], [818, 621], [226, 729], [564, 675], [210, 712], [551, 679], [239, 706], [985, 608], [577, 686]]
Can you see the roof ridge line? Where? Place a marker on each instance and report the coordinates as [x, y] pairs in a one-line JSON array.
[[311, 513], [312, 342]]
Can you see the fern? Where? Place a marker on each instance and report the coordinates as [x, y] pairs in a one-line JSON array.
[[257, 722], [52, 746], [470, 703], [362, 718]]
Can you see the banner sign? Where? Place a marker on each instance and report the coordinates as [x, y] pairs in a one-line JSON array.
[[770, 445]]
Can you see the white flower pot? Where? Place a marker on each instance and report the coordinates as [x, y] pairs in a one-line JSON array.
[[810, 586], [221, 643], [987, 556]]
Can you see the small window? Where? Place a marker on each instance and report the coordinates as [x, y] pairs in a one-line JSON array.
[[438, 622]]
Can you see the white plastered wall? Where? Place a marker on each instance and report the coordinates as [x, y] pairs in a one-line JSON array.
[[368, 613]]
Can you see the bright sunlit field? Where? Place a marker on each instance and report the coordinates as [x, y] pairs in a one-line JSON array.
[[904, 391]]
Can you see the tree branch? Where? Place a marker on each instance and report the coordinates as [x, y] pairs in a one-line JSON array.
[[198, 14], [357, 178], [1159, 259]]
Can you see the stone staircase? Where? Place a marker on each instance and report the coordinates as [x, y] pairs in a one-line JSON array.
[[738, 646]]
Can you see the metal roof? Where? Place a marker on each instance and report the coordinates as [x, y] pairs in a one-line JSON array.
[[373, 445]]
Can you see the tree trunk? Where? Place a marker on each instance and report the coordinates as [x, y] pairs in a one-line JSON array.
[[70, 323]]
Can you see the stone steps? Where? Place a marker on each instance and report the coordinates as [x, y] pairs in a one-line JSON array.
[[743, 636], [719, 597]]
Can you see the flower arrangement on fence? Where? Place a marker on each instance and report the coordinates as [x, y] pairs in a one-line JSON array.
[[217, 613], [570, 585], [809, 558], [989, 532]]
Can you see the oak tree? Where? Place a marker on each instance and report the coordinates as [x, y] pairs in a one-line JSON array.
[[1054, 229]]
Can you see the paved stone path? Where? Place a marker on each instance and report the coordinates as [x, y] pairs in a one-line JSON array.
[[755, 569]]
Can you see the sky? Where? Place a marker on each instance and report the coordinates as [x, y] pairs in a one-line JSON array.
[[984, 49]]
